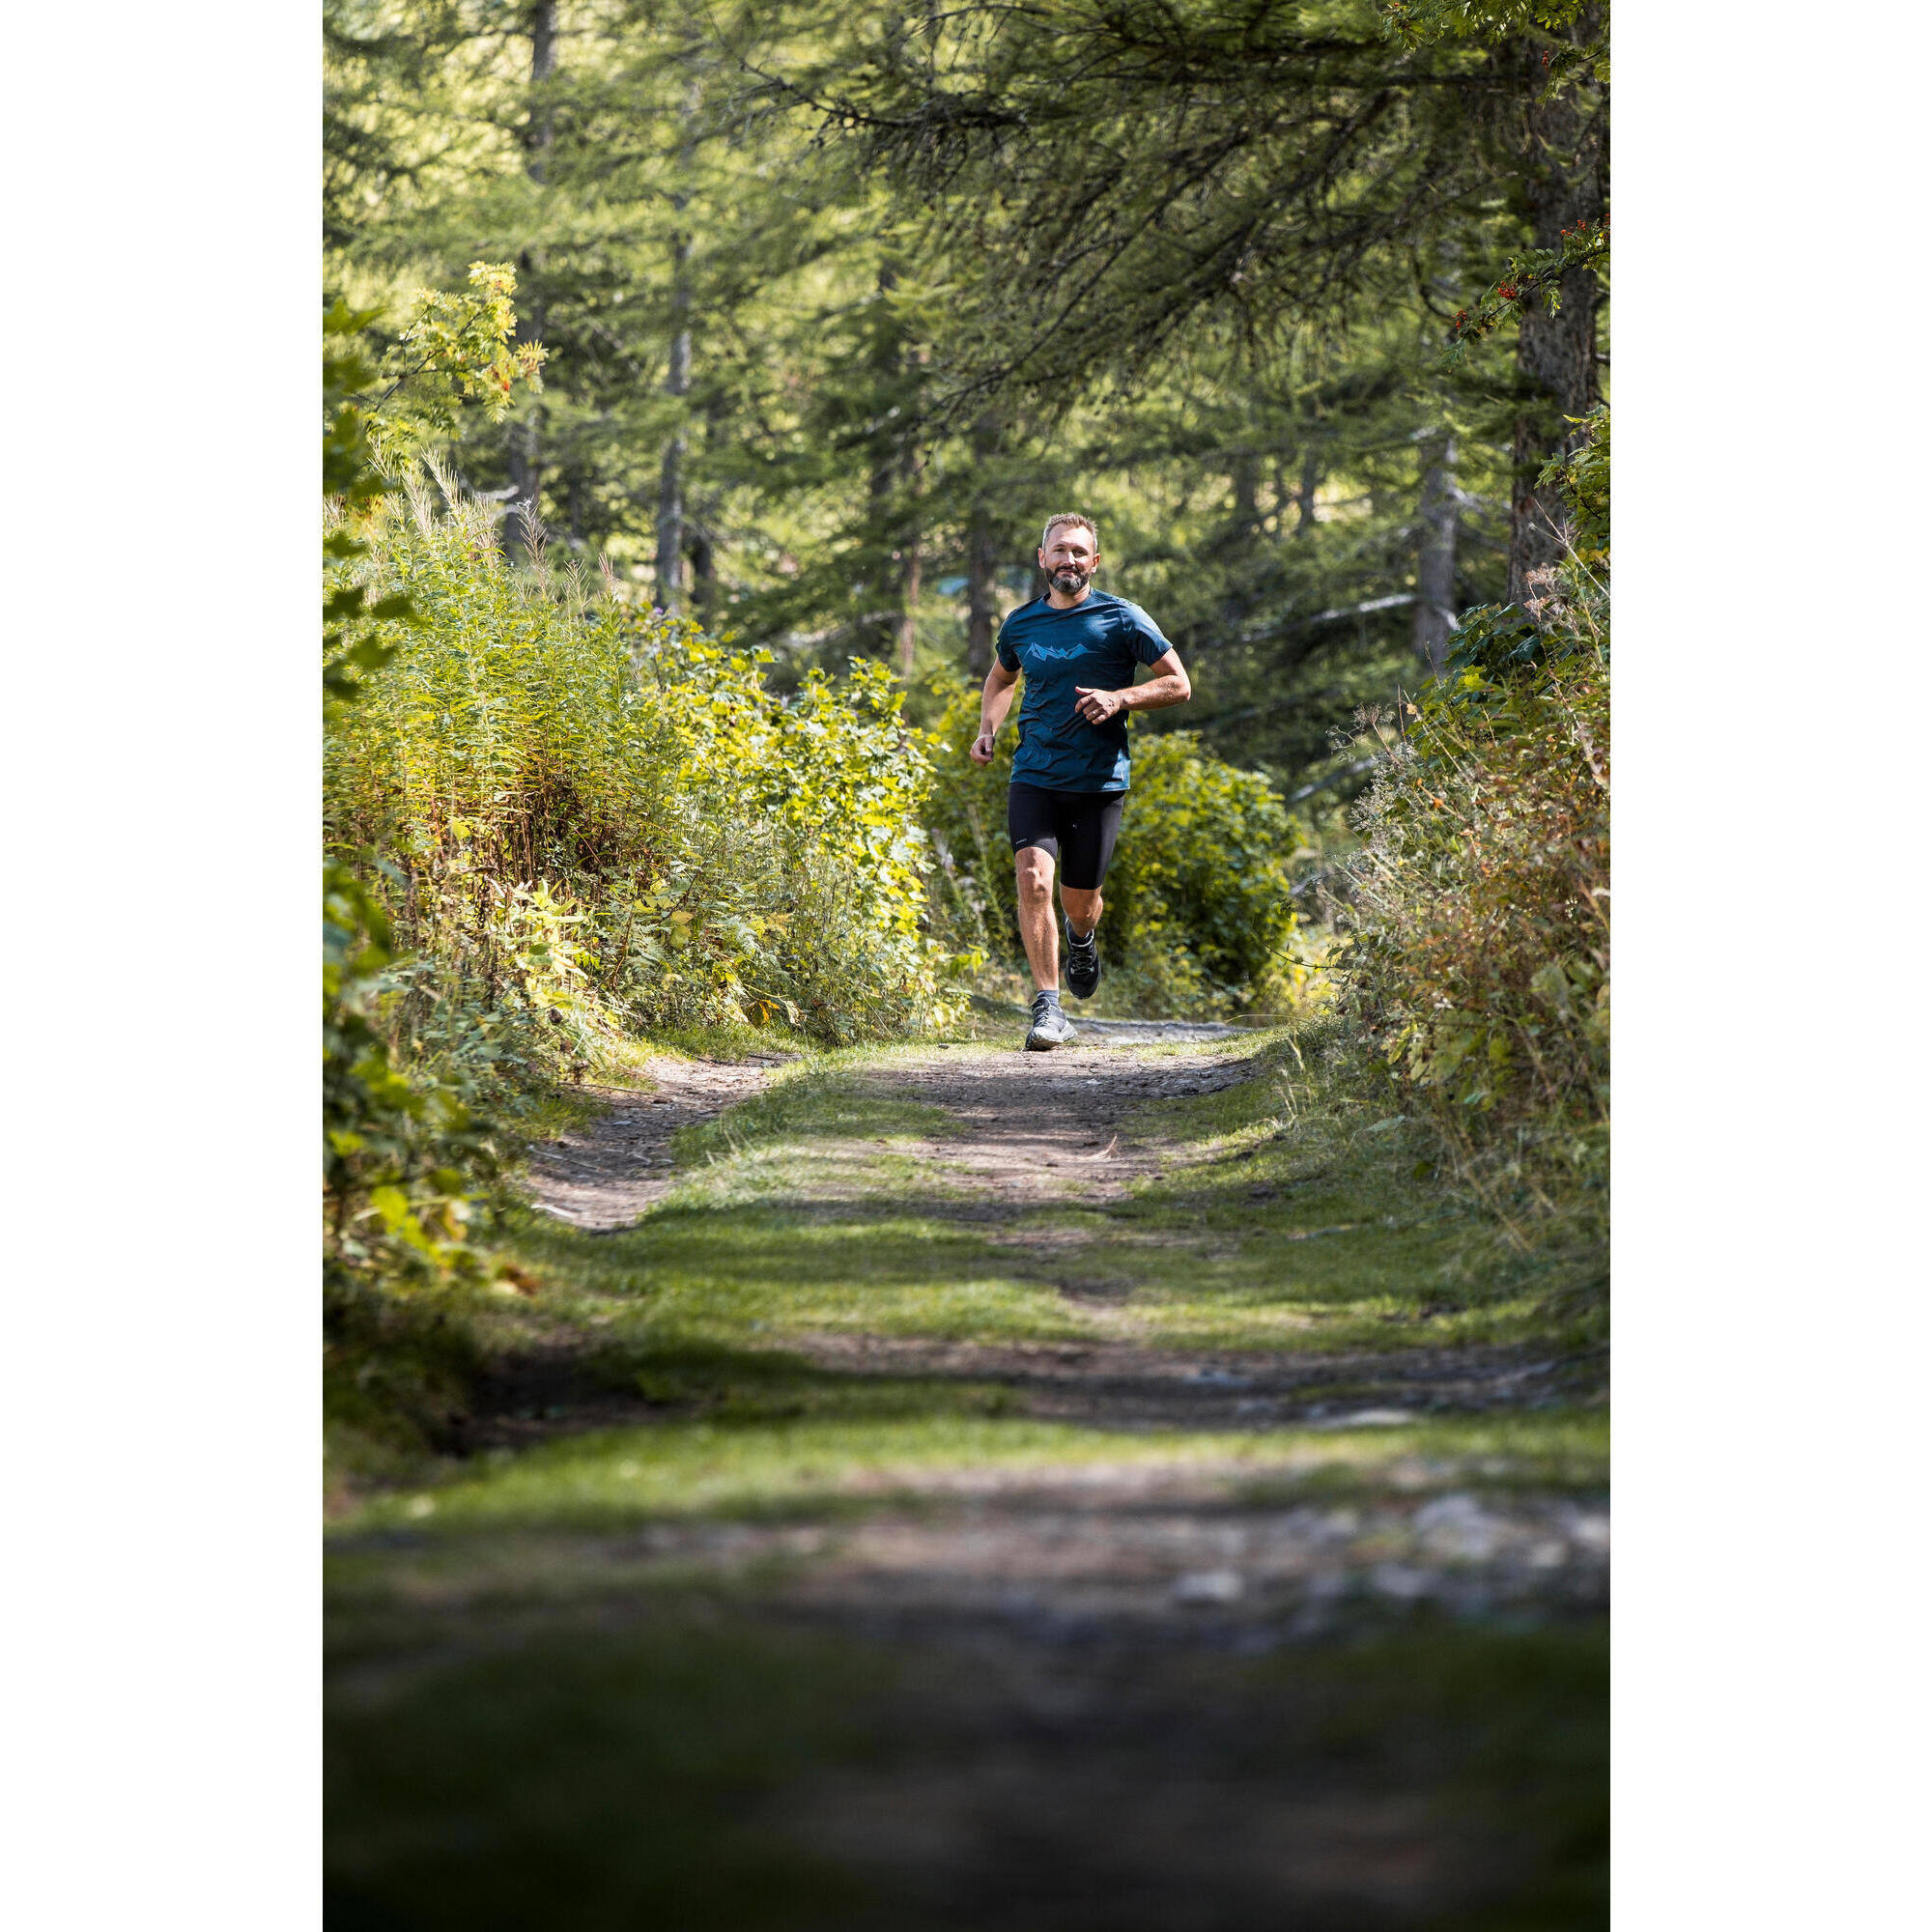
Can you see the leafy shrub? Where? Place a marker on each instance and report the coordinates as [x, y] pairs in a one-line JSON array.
[[403, 1163], [597, 824], [1584, 475], [403, 1160], [401, 1156], [1479, 959], [1497, 640], [1296, 983], [1198, 909]]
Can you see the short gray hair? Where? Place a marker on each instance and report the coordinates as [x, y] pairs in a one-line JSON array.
[[1085, 523]]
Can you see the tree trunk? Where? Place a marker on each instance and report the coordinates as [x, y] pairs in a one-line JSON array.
[[525, 449], [1566, 168], [876, 623], [891, 488], [539, 131], [909, 606], [671, 475], [983, 559], [1436, 561], [906, 556], [525, 455], [677, 379], [1304, 497], [1244, 479], [703, 577], [701, 517], [982, 556]]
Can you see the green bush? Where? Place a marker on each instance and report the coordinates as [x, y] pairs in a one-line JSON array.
[[597, 823], [1198, 909], [1479, 955], [401, 1156]]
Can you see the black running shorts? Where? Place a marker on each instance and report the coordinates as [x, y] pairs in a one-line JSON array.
[[1078, 828]]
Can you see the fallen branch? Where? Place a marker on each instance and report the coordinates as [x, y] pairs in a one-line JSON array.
[[1333, 778], [1367, 608]]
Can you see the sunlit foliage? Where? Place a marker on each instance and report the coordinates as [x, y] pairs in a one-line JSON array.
[[1480, 959], [597, 822]]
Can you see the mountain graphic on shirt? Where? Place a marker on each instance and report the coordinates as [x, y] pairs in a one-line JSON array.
[[1048, 652]]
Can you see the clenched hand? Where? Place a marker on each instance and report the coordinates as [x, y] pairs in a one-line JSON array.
[[1098, 706]]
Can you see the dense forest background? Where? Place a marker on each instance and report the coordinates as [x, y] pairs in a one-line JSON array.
[[837, 302], [699, 379]]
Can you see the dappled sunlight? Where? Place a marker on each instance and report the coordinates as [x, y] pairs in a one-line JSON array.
[[825, 1434]]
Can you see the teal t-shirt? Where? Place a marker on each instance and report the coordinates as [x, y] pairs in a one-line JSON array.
[[1097, 643]]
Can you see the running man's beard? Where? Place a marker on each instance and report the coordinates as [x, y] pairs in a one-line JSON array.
[[1067, 569]]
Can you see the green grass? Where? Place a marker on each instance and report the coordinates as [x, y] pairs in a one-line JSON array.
[[559, 1699], [588, 1784], [668, 1770], [721, 1461], [1295, 1214], [725, 1263], [825, 1098]]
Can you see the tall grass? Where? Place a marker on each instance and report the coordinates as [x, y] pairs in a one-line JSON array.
[[1478, 955], [594, 823], [1480, 962]]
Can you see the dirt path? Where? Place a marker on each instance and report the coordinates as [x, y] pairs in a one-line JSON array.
[[609, 1174], [1265, 1635], [1039, 1127], [1033, 1131], [1036, 1131]]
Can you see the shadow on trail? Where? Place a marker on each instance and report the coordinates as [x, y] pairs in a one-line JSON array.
[[706, 1768], [847, 1544]]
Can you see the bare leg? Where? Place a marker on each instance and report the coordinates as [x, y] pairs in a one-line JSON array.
[[1083, 908], [1033, 872]]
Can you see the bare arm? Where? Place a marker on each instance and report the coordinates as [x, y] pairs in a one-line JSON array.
[[1167, 686], [995, 701]]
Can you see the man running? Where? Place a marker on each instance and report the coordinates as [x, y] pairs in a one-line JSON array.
[[1078, 648]]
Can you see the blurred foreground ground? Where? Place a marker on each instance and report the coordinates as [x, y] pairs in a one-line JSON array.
[[1113, 1489]]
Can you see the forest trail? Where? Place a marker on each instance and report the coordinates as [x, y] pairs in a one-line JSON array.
[[1045, 1400], [1028, 1134], [1034, 1133], [607, 1174]]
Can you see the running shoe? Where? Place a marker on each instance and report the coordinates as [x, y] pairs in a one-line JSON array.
[[1082, 962], [1049, 1026]]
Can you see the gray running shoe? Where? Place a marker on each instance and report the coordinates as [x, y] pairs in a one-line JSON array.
[[1082, 962], [1049, 1026]]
